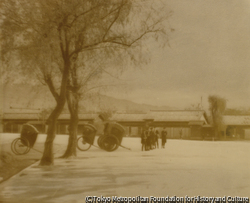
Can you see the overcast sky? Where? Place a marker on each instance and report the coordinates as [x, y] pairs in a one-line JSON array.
[[209, 53]]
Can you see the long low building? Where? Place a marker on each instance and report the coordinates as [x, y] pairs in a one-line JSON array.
[[179, 123], [12, 122], [237, 126]]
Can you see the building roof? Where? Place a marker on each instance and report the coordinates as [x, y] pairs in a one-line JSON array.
[[166, 115], [37, 116], [128, 117], [154, 115], [20, 116], [236, 119], [201, 122], [178, 115], [81, 116]]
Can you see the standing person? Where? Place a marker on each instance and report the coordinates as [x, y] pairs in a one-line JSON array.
[[144, 136], [149, 136], [163, 137], [157, 134], [153, 139], [181, 133]]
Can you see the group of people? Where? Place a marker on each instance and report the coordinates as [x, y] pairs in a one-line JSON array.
[[149, 138]]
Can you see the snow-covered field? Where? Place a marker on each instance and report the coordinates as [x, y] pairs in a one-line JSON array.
[[193, 168]]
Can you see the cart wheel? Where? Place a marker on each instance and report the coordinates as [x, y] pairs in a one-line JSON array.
[[12, 146], [99, 141], [110, 143], [20, 146], [83, 144]]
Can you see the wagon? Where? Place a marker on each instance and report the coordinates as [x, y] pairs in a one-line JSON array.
[[22, 145]]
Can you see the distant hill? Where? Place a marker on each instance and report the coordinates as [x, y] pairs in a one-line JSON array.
[[121, 105], [23, 98]]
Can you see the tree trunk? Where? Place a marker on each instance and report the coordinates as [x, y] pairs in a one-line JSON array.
[[72, 142], [72, 100], [48, 156]]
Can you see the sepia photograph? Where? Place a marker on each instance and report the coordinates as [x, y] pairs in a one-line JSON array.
[[124, 101]]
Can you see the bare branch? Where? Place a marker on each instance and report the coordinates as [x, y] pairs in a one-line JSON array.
[[83, 13], [60, 40], [51, 86], [114, 20]]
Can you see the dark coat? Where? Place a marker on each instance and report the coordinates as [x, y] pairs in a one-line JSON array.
[[164, 136], [144, 136]]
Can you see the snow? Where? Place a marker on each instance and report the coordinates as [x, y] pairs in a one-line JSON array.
[[193, 168]]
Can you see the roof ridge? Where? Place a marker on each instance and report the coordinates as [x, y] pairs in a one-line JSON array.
[[238, 115], [177, 110]]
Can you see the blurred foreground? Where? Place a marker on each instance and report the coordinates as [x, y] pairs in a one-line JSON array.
[[192, 168]]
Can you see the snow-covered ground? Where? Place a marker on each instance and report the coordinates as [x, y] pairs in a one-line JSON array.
[[193, 168]]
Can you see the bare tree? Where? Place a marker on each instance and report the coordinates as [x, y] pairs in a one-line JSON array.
[[51, 39], [217, 106]]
